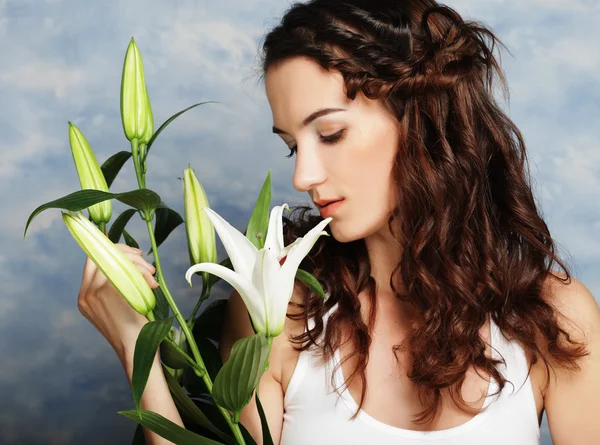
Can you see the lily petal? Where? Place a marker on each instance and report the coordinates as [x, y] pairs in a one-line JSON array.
[[259, 281], [240, 249], [287, 248], [290, 266], [300, 249], [265, 280], [275, 292], [257, 272], [251, 297], [274, 240]]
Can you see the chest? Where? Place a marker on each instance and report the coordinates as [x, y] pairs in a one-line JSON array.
[[393, 399]]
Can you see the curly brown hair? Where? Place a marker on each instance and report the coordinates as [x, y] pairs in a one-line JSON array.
[[472, 239]]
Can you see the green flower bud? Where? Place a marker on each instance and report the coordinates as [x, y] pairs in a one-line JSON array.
[[202, 244], [90, 174], [115, 265], [149, 129], [136, 112]]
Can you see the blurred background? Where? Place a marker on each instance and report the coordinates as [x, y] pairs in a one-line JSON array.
[[60, 60]]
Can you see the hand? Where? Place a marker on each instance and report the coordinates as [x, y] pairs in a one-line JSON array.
[[104, 306]]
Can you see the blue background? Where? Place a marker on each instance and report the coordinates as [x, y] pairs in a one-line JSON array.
[[60, 382]]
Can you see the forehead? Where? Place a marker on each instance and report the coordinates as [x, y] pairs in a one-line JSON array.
[[298, 86]]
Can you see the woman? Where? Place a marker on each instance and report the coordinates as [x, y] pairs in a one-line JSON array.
[[438, 269]]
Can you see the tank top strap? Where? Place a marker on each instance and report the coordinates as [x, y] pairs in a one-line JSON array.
[[311, 321], [515, 367]]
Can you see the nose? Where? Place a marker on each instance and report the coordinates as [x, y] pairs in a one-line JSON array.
[[309, 170]]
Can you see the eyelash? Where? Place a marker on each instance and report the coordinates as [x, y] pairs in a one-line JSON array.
[[331, 139]]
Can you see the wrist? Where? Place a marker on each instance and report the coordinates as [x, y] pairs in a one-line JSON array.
[[126, 351], [127, 361]]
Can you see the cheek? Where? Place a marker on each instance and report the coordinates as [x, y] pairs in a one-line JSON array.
[[375, 163]]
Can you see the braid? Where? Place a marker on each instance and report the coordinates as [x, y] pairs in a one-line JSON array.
[[397, 62]]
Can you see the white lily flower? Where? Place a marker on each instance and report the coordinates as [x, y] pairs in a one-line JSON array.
[[264, 283]]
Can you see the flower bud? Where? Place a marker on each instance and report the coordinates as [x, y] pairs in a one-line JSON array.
[[90, 174], [149, 128], [115, 265], [136, 112], [202, 244]]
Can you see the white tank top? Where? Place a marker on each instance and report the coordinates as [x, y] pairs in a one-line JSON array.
[[314, 414]]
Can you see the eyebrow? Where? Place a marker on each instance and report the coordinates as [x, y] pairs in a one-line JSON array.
[[312, 117]]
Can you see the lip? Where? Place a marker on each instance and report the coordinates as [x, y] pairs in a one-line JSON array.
[[327, 210], [323, 202]]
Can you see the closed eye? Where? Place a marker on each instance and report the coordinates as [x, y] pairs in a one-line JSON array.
[[330, 139]]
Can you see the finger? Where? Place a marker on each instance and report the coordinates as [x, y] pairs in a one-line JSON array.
[[126, 248], [134, 255], [150, 279], [147, 269], [141, 262]]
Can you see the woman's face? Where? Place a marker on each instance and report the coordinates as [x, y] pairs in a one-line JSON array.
[[348, 153]]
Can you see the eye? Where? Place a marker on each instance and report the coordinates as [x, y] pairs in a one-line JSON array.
[[330, 139], [333, 138], [292, 151]]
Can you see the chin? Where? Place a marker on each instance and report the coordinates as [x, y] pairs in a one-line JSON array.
[[343, 236]]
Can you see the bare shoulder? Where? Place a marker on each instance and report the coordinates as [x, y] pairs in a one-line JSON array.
[[578, 310], [572, 400]]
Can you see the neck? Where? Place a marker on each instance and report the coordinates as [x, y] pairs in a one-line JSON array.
[[384, 255]]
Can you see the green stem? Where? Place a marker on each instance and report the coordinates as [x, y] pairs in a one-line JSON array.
[[204, 296], [188, 334], [136, 163], [189, 359], [199, 368]]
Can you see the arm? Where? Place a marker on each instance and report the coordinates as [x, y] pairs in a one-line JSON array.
[[572, 401], [237, 325], [156, 397]]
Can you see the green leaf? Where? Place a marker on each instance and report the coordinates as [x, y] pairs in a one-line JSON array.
[[129, 240], [237, 379], [140, 199], [212, 278], [266, 432], [113, 165], [162, 309], [138, 437], [194, 384], [146, 345], [168, 121], [116, 230], [167, 429], [207, 405], [212, 412], [190, 410], [247, 437], [172, 357], [210, 355], [312, 283], [210, 321], [259, 221], [167, 220]]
